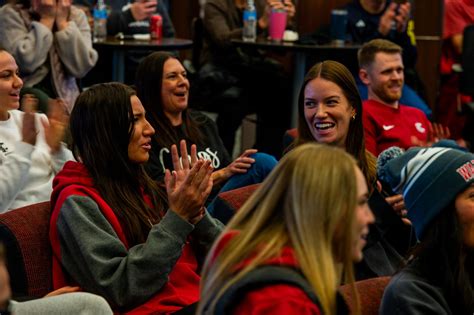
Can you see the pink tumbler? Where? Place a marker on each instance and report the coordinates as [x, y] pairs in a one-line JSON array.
[[277, 24]]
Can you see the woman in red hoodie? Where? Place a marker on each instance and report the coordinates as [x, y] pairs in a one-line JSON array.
[[310, 215], [113, 231]]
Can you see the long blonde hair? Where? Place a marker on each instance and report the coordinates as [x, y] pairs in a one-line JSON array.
[[307, 203]]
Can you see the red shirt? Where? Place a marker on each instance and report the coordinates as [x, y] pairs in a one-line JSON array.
[[385, 126], [457, 15]]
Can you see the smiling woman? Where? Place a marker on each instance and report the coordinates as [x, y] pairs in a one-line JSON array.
[[111, 222], [10, 84], [31, 152], [169, 114], [330, 112]]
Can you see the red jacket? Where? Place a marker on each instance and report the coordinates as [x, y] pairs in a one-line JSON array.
[[273, 299], [182, 284]]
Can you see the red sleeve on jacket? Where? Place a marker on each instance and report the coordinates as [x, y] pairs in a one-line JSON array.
[[276, 299]]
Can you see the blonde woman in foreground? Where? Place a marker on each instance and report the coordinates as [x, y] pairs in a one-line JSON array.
[[310, 216]]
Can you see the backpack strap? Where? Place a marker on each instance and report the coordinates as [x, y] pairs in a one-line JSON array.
[[259, 278]]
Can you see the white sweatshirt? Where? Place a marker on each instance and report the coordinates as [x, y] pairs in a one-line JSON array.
[[26, 171]]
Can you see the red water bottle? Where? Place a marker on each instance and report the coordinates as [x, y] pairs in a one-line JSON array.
[[156, 26]]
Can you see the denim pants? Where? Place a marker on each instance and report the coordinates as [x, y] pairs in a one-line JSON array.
[[263, 165]]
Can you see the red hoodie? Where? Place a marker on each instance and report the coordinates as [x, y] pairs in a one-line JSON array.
[[273, 299], [182, 285]]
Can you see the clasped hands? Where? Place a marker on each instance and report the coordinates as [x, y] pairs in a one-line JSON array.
[[400, 16], [53, 11], [189, 184], [54, 128]]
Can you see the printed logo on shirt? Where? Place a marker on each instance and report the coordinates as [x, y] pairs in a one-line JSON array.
[[206, 154], [139, 24], [3, 147], [388, 127], [360, 24], [419, 127]]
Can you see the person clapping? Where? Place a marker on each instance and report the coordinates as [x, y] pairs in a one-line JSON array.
[[51, 41]]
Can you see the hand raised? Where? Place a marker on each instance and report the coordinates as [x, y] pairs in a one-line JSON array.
[[143, 9], [47, 11], [29, 103], [387, 19], [187, 197], [403, 16], [182, 165], [189, 174], [55, 129], [62, 13]]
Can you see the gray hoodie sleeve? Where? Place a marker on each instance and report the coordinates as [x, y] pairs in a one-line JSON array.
[[74, 45], [95, 257], [204, 234], [30, 47], [409, 295]]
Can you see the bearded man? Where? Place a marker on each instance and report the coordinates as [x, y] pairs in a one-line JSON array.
[[387, 122]]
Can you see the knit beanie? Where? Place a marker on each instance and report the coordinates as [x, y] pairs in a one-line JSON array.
[[429, 179]]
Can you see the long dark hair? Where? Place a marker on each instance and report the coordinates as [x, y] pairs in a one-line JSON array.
[[148, 82], [355, 141], [442, 257], [101, 126]]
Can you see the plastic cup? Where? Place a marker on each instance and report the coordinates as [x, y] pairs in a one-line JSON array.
[[277, 25], [338, 26]]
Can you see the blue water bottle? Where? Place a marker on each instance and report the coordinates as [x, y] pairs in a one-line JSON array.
[[249, 33], [100, 21]]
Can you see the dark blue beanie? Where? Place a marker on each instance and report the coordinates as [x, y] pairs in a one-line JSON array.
[[429, 179]]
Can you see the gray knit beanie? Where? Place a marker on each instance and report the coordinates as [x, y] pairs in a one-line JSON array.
[[429, 179]]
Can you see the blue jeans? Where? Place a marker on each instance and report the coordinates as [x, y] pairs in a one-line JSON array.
[[263, 165]]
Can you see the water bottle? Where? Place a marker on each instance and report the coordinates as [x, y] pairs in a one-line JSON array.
[[249, 33], [100, 21]]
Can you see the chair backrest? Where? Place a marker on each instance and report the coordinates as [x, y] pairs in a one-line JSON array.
[[227, 203], [235, 198], [466, 83], [25, 234], [288, 138], [370, 294]]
